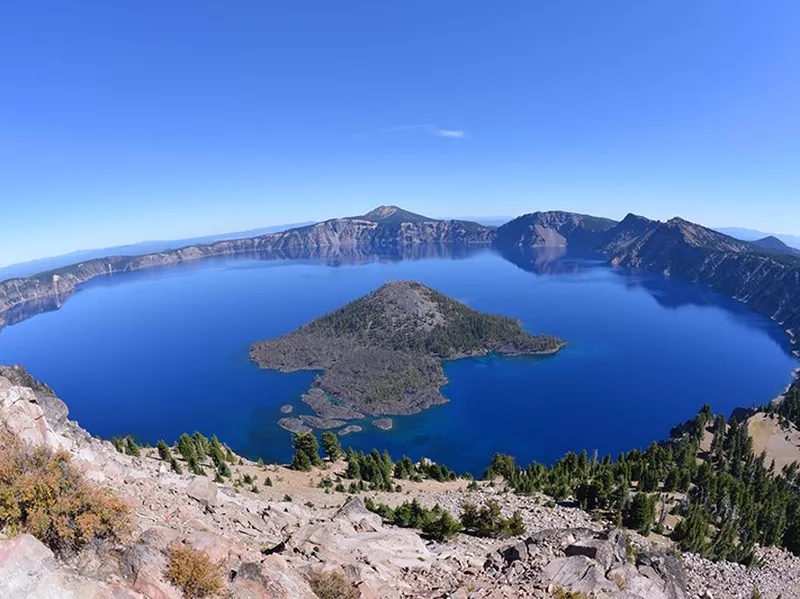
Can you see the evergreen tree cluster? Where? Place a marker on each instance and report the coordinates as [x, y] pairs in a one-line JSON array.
[[439, 524], [127, 445], [788, 408], [436, 523], [306, 452], [373, 468], [408, 470], [729, 501], [197, 451], [454, 330], [487, 521], [379, 471]]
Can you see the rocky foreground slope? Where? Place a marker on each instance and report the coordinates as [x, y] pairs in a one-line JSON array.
[[272, 540]]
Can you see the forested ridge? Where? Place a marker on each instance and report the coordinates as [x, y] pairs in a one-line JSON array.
[[728, 498], [442, 327]]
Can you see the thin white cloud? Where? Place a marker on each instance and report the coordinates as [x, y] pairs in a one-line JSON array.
[[457, 133], [425, 129]]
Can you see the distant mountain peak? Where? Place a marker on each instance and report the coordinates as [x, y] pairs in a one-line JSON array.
[[773, 245], [632, 218], [383, 211], [771, 241], [394, 214], [700, 236]]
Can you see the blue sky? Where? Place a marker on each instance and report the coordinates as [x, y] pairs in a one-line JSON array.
[[131, 120]]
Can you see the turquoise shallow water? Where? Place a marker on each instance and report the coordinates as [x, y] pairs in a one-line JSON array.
[[164, 351]]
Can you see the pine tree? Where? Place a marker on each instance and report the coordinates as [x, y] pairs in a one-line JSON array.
[[163, 451], [642, 513], [186, 448], [331, 446], [306, 452], [131, 447], [692, 532], [176, 467], [201, 445]]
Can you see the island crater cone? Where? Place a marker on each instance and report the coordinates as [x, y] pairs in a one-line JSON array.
[[382, 354]]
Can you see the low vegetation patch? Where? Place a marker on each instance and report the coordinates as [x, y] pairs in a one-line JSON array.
[[436, 523], [560, 593], [487, 521], [333, 585], [42, 494], [193, 572]]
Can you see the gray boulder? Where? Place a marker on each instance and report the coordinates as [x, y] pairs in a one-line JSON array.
[[516, 552], [25, 565], [355, 513], [665, 570], [203, 490], [608, 548]]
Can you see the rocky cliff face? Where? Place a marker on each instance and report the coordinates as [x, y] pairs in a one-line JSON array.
[[767, 283], [766, 280], [553, 229]]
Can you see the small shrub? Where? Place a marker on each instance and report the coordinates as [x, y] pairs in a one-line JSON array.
[[333, 586], [268, 482], [131, 448], [487, 521], [442, 528], [287, 497], [560, 593], [41, 493], [193, 572]]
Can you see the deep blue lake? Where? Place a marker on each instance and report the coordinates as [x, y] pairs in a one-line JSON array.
[[164, 351]]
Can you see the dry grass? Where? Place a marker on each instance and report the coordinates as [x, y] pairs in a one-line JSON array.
[[560, 593], [781, 445], [41, 493], [193, 572], [333, 585]]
